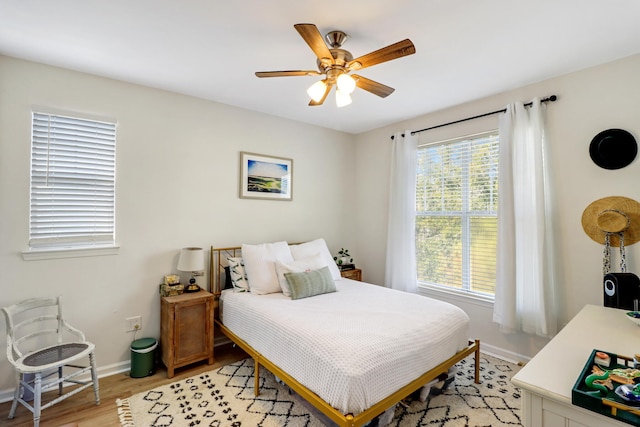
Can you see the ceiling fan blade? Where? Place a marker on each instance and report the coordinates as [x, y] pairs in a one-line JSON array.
[[287, 73], [313, 103], [312, 36], [396, 50], [373, 86]]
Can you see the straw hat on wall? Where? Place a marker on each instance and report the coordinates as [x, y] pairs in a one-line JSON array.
[[614, 214]]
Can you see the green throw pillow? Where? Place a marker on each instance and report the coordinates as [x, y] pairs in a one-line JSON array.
[[310, 283]]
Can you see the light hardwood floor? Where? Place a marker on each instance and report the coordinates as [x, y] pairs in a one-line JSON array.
[[82, 409]]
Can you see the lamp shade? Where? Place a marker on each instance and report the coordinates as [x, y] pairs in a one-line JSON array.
[[191, 259], [346, 84], [342, 99], [316, 91]]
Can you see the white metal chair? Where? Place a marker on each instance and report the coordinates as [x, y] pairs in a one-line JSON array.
[[39, 345]]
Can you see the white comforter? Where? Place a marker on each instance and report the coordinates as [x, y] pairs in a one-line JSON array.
[[352, 347]]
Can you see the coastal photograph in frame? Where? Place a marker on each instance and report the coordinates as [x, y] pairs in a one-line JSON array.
[[265, 177]]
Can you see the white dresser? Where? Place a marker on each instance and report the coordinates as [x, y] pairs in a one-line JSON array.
[[546, 381]]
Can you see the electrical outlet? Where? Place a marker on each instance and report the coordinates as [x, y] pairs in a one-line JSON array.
[[133, 323]]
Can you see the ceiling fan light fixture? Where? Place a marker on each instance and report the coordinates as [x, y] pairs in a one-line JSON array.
[[316, 91], [346, 83], [335, 63], [342, 99]]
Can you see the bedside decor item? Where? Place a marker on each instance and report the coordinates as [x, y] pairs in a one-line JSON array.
[[265, 177], [343, 258], [171, 279], [171, 290], [613, 149], [192, 260], [171, 286]]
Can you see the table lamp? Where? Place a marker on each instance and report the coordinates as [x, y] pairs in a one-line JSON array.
[[191, 259]]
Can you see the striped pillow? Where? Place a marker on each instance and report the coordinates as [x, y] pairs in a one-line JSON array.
[[310, 283]]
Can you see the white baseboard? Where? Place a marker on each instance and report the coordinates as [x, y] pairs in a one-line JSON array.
[[503, 354]]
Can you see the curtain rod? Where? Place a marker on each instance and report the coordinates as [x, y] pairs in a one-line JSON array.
[[551, 98]]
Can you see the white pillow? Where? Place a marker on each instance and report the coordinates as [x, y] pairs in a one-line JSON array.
[[238, 274], [259, 263], [305, 250], [313, 262]]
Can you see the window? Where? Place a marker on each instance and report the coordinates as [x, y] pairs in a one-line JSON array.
[[456, 214], [72, 183]]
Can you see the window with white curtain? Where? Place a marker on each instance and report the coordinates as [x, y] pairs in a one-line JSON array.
[[72, 202], [456, 214]]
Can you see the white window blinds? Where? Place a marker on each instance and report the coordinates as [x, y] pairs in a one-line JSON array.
[[456, 214], [72, 182]]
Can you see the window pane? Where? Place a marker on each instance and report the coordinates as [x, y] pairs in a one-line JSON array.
[[72, 182], [483, 175], [439, 179], [439, 250], [484, 235], [456, 214]]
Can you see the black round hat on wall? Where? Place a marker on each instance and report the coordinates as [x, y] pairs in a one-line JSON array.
[[613, 149]]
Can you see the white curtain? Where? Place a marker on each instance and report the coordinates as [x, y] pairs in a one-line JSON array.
[[401, 243], [524, 299]]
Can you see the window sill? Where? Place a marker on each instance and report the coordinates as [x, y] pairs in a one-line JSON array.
[[437, 292], [54, 253]]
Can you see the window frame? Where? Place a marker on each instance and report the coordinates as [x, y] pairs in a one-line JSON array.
[[439, 290], [76, 124]]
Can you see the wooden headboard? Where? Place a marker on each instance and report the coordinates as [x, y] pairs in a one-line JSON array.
[[217, 263]]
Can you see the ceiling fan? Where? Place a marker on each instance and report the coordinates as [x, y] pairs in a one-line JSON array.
[[335, 64]]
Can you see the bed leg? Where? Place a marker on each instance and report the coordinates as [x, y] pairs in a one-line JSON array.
[[256, 377], [477, 355]]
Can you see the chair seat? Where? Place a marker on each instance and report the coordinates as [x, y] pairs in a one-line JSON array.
[[54, 355]]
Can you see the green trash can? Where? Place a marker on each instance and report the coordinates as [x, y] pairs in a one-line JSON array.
[[143, 357]]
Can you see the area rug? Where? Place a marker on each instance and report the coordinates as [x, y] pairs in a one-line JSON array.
[[224, 398]]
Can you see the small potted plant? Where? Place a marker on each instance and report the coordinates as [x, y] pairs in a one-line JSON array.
[[343, 257]]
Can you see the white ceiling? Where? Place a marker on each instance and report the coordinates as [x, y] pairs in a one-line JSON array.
[[465, 49]]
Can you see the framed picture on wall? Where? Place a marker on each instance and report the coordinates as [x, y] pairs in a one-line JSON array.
[[265, 177]]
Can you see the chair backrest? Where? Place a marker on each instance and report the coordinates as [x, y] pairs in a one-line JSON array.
[[34, 324]]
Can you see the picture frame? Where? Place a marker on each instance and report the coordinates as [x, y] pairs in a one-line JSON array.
[[265, 177]]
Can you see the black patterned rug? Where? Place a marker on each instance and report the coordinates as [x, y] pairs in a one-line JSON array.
[[224, 398]]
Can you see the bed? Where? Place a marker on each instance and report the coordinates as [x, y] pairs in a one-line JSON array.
[[351, 351]]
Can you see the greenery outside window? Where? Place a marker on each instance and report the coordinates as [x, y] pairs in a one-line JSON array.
[[456, 215], [72, 204]]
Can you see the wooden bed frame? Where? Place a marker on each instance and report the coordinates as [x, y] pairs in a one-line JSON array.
[[218, 260]]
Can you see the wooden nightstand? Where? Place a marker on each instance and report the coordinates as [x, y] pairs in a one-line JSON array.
[[186, 329], [355, 274]]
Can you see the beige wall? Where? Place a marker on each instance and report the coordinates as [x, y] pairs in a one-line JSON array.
[[177, 172], [589, 101], [177, 186]]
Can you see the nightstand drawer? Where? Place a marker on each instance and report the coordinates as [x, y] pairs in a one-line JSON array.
[[355, 274]]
